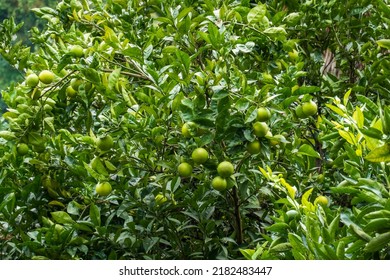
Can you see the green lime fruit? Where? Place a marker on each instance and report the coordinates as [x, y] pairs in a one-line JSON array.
[[260, 129], [70, 92], [200, 155], [321, 200], [32, 80], [225, 169], [309, 108], [219, 183], [184, 169], [75, 83], [278, 139], [105, 143], [254, 147], [292, 214], [46, 77], [299, 112], [22, 149], [263, 114], [160, 199], [189, 129], [76, 51], [103, 189]]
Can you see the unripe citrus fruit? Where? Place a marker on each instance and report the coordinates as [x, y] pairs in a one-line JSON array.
[[263, 114], [75, 83], [254, 147], [103, 189], [200, 155], [309, 108], [260, 129], [46, 77], [70, 92], [219, 183], [225, 169], [184, 169], [189, 129], [321, 200], [292, 214], [277, 140], [76, 51], [32, 80], [22, 149], [299, 112], [160, 199], [105, 143]]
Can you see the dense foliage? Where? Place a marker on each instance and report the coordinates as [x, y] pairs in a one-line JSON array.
[[100, 153]]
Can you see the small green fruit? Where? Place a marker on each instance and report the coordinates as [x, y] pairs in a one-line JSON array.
[[219, 183], [103, 189], [321, 200], [160, 199], [225, 169], [22, 149], [254, 147], [260, 129], [263, 114], [76, 51], [46, 77], [32, 80], [105, 143], [309, 108], [185, 169], [200, 155]]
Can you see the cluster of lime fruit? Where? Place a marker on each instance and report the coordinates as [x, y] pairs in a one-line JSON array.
[[306, 109], [261, 130], [104, 144]]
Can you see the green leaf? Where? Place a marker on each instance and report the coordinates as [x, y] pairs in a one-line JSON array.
[[369, 103], [62, 217], [372, 132], [384, 43], [94, 214], [378, 242], [257, 13], [380, 154], [113, 79], [277, 33], [214, 35], [306, 90], [308, 150], [7, 135]]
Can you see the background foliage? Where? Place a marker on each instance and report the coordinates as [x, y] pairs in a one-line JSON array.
[[149, 67]]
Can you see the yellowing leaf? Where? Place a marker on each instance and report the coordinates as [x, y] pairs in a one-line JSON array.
[[262, 170], [380, 154], [291, 191], [346, 96], [358, 117], [348, 136], [305, 200], [335, 109]]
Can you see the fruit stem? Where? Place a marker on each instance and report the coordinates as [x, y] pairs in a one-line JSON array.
[[237, 215]]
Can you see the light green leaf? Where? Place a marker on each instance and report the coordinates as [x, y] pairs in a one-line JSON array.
[[351, 139], [358, 117], [308, 150], [346, 96], [384, 43], [257, 13], [277, 33], [62, 217], [380, 154]]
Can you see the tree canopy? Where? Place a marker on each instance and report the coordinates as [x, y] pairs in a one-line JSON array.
[[198, 130]]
